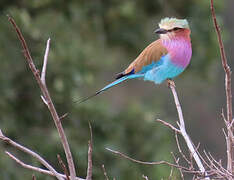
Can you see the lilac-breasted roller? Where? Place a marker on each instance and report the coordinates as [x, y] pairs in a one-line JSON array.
[[163, 59]]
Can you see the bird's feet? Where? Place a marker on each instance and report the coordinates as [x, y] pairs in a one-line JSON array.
[[170, 83]]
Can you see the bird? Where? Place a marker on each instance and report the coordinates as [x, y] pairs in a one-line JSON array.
[[163, 59]]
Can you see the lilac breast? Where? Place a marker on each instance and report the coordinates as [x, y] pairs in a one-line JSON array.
[[179, 49]]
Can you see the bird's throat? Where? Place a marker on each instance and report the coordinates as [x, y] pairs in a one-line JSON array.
[[179, 49]]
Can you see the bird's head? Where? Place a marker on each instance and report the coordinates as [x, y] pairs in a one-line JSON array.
[[173, 27]]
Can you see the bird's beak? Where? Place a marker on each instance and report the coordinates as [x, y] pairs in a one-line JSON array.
[[160, 31]]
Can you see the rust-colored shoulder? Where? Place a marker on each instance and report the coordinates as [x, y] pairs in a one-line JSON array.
[[151, 53]]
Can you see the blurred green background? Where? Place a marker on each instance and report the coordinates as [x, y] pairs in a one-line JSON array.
[[91, 41]]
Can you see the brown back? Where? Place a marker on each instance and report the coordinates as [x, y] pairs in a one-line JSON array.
[[151, 53]]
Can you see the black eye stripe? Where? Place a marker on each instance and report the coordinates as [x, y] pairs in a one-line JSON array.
[[174, 29]]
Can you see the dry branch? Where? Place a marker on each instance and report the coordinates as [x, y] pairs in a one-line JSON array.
[[104, 172], [168, 125], [90, 150], [43, 72], [33, 168], [181, 152], [193, 151], [228, 90], [46, 96], [182, 129], [144, 162], [63, 166], [177, 162], [34, 177], [30, 152], [145, 177]]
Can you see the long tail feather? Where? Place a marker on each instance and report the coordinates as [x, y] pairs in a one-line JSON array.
[[87, 98], [132, 76]]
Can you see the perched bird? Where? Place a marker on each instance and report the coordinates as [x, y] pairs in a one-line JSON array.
[[163, 59]]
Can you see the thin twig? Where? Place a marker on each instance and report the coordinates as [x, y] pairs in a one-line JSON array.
[[225, 134], [221, 168], [44, 101], [34, 177], [168, 125], [104, 172], [226, 173], [232, 122], [223, 117], [63, 166], [43, 72], [48, 99], [145, 177], [183, 130], [218, 170], [171, 173], [144, 162], [30, 152], [33, 168], [180, 151], [177, 162], [90, 150], [228, 86], [63, 116]]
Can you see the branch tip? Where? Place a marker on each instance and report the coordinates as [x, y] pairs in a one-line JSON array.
[[90, 151], [104, 172], [1, 134], [63, 166]]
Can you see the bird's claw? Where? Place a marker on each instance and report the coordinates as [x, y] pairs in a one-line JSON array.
[[170, 83]]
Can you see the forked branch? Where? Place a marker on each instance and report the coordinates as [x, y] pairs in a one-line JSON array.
[[228, 86], [182, 129], [30, 152], [46, 95]]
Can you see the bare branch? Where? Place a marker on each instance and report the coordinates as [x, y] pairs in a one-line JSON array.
[[90, 150], [31, 167], [43, 72], [63, 116], [48, 99], [44, 101], [180, 151], [183, 130], [217, 170], [225, 134], [145, 177], [220, 167], [168, 125], [43, 171], [177, 162], [228, 86], [104, 172], [144, 162], [223, 116], [232, 122], [34, 177], [63, 167], [171, 173], [30, 152]]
